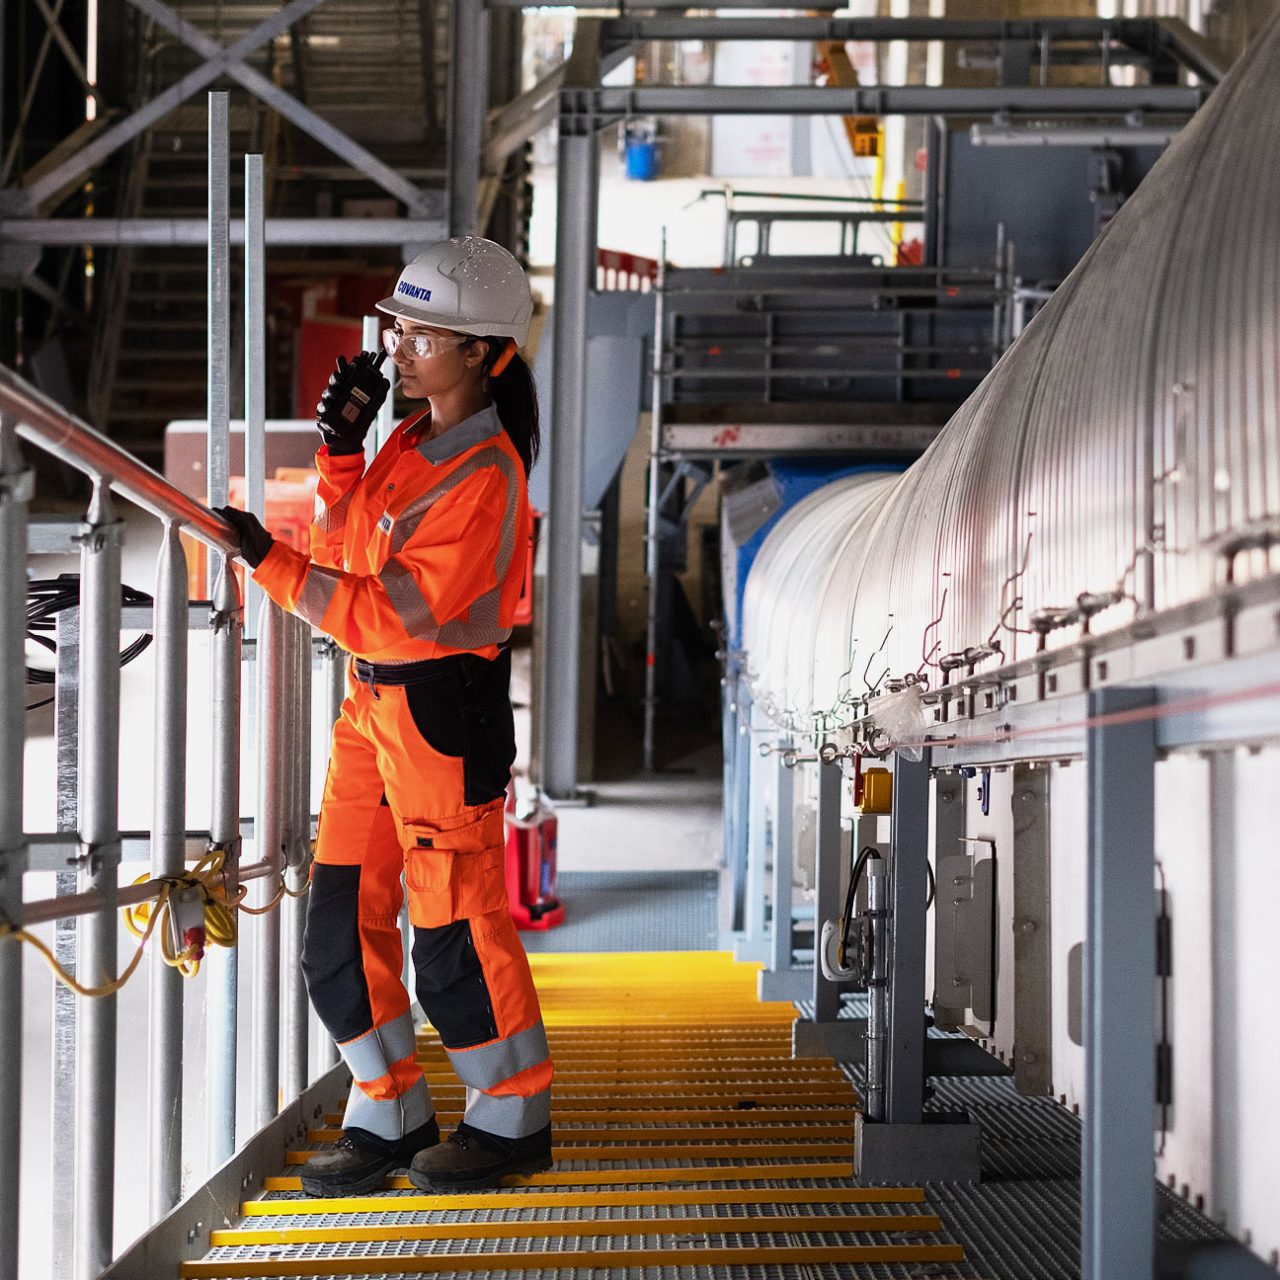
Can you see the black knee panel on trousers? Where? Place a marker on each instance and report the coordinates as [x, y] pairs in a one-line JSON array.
[[331, 958], [451, 985]]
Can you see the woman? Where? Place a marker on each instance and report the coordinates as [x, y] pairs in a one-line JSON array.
[[415, 569]]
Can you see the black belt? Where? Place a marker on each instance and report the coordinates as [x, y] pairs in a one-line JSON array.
[[460, 665]]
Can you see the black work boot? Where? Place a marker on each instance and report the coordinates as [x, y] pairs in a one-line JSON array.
[[359, 1160], [472, 1159]]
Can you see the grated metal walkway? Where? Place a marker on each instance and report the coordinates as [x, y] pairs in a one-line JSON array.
[[686, 1137]]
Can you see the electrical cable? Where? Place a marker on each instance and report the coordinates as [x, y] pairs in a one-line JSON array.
[[48, 597]]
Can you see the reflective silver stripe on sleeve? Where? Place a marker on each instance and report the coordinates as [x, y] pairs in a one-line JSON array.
[[491, 1064], [408, 601], [508, 1115], [317, 594], [331, 519], [481, 626]]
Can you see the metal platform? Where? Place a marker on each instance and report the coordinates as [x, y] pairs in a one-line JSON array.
[[686, 1137]]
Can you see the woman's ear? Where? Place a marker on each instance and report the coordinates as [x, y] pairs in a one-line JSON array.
[[474, 353]]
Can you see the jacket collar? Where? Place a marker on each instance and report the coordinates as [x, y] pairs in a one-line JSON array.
[[466, 435]]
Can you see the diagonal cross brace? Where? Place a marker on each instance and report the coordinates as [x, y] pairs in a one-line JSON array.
[[228, 60]]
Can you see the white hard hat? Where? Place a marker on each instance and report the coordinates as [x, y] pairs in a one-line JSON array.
[[467, 284]]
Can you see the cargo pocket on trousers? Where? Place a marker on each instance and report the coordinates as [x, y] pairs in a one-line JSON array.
[[454, 868]]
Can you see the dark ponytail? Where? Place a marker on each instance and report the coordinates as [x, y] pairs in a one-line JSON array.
[[516, 400]]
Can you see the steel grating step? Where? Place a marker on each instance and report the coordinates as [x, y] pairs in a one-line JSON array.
[[686, 1138]]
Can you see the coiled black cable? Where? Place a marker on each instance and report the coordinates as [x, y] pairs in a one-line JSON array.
[[48, 597]]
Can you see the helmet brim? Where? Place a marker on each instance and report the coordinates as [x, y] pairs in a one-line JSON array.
[[393, 306]]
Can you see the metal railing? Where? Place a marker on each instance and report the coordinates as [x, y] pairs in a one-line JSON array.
[[281, 825]]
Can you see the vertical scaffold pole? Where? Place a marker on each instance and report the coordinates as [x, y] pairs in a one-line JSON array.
[[255, 364], [15, 497], [168, 854], [95, 1134], [222, 964], [268, 830]]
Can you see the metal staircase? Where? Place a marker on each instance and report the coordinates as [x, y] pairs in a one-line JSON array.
[[377, 69], [687, 1136]]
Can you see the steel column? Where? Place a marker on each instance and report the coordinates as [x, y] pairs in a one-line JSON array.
[[273, 742], [948, 830], [1032, 957], [15, 497], [826, 995], [908, 888], [576, 181], [653, 511], [95, 1133], [1118, 1171], [255, 364], [468, 100], [222, 965], [168, 854]]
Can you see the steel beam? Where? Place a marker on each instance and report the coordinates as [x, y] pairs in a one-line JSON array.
[[220, 59], [1118, 1218], [577, 198], [288, 106], [177, 232], [610, 104]]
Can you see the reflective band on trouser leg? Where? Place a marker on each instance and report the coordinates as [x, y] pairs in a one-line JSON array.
[[389, 1096], [508, 1079]]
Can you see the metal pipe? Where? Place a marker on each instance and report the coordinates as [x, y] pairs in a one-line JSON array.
[[223, 965], [877, 879], [653, 526], [46, 423], [168, 858], [95, 1129], [218, 304], [163, 233], [298, 761], [62, 1074], [15, 497], [269, 834], [255, 366]]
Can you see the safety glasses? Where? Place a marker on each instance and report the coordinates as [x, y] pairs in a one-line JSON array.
[[421, 345]]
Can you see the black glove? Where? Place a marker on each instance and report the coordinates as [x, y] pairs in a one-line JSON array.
[[351, 401], [255, 541]]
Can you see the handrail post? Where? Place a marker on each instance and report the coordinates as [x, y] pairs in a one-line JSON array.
[[222, 965], [95, 1128], [268, 830], [168, 854], [15, 496], [297, 1011], [255, 363]]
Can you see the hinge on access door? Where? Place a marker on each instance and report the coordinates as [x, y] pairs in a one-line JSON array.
[[1164, 977]]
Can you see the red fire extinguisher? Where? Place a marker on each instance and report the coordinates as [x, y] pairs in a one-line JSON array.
[[531, 865]]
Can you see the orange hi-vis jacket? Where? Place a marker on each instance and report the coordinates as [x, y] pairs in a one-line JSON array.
[[416, 557]]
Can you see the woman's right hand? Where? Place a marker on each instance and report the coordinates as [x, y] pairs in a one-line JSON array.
[[351, 401]]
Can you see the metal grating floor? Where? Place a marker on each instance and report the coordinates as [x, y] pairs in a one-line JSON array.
[[687, 1138], [633, 911]]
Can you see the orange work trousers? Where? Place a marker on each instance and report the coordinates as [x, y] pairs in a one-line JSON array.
[[417, 777]]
